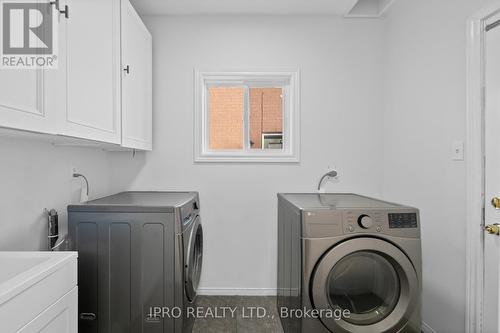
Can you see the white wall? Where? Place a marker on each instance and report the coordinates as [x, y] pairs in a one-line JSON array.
[[424, 112], [400, 151], [36, 175], [340, 63], [391, 139]]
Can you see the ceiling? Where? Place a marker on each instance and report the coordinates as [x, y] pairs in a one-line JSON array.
[[243, 7]]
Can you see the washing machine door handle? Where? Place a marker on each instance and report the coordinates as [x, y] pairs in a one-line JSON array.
[[385, 257]]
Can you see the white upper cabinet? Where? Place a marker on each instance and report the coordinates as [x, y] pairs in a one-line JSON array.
[[136, 81], [22, 101], [89, 67], [90, 95]]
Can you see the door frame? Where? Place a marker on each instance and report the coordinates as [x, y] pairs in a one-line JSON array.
[[475, 166]]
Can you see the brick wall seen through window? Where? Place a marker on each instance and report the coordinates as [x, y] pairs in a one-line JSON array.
[[226, 118]]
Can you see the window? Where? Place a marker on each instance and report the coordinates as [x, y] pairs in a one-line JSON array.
[[247, 117]]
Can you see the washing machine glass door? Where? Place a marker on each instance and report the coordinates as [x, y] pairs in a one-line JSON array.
[[194, 258], [372, 279]]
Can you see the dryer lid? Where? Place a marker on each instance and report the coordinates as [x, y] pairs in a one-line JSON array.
[[306, 201]]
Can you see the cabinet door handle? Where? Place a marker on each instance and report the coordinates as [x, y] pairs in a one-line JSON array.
[[87, 316], [127, 69], [55, 3], [65, 11]]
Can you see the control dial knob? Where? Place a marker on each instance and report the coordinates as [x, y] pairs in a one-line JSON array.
[[365, 221]]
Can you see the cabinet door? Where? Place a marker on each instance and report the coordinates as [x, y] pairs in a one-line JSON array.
[[61, 317], [22, 103], [25, 95], [136, 81], [90, 59]]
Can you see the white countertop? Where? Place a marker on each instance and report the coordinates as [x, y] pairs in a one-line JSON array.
[[20, 270]]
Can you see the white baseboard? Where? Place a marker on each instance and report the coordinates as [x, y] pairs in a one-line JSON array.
[[427, 329], [237, 291]]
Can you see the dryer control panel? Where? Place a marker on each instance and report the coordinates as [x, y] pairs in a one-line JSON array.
[[401, 223], [339, 214], [402, 220]]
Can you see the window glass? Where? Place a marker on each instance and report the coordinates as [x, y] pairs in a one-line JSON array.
[[366, 284], [227, 118], [266, 118], [226, 106]]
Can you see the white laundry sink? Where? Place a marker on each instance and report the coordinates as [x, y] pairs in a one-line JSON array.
[[31, 283]]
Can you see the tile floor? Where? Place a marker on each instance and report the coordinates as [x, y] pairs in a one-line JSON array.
[[242, 321]]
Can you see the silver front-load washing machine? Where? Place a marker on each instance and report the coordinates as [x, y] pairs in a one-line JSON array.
[[348, 263]]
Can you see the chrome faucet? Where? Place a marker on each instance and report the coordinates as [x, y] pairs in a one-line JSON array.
[[329, 174]]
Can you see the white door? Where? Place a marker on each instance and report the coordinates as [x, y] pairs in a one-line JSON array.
[[136, 81], [90, 63], [491, 308]]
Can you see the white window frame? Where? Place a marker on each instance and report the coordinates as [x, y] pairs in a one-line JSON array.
[[291, 116]]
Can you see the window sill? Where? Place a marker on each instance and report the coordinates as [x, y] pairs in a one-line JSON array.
[[231, 157]]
